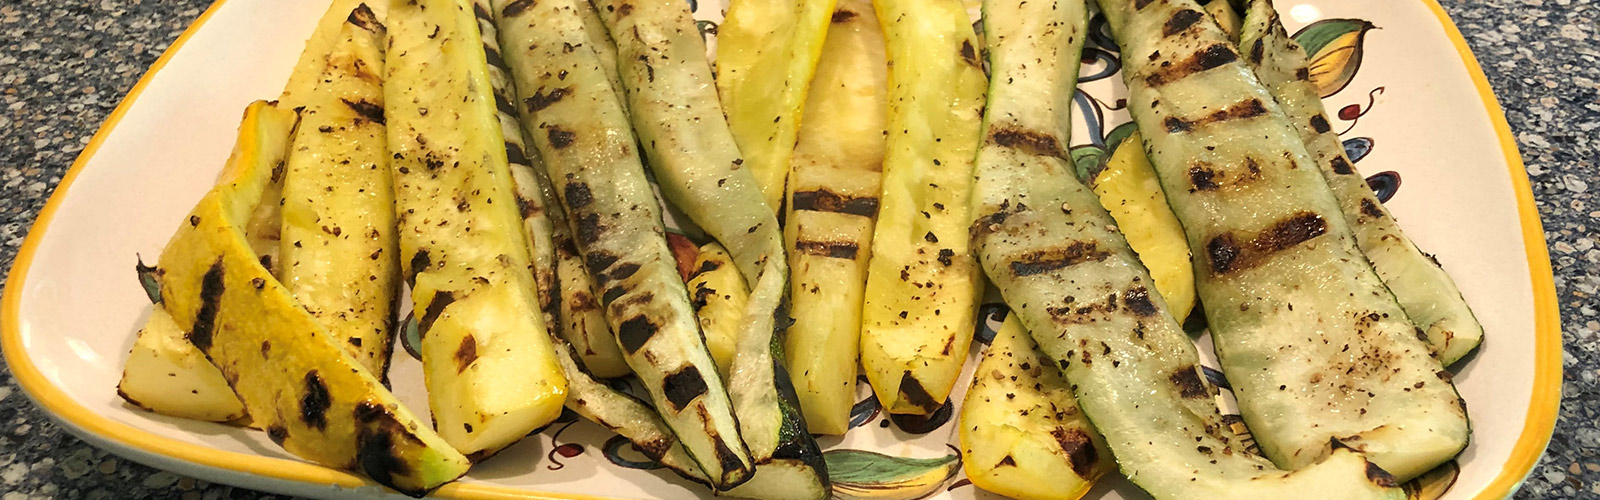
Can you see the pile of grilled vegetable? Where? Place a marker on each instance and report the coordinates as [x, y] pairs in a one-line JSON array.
[[852, 171]]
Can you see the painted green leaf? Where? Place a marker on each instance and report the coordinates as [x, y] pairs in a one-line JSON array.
[[1333, 50], [1119, 133], [411, 336], [861, 474], [1089, 160]]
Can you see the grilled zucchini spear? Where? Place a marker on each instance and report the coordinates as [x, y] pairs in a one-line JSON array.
[[766, 55], [1426, 293], [1055, 255], [338, 248], [581, 131], [490, 367], [832, 204], [164, 373], [296, 380], [922, 282], [1022, 434], [1319, 353], [694, 156], [720, 297]]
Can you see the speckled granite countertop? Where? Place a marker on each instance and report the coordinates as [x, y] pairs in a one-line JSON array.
[[64, 65]]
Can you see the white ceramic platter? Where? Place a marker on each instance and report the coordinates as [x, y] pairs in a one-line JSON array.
[[72, 303]]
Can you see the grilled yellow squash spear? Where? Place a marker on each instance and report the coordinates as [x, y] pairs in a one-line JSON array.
[[922, 282], [491, 370], [1022, 433], [296, 380], [832, 204], [766, 55], [164, 373], [339, 252]]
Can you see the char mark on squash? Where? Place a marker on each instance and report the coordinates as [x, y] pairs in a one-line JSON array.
[[970, 54], [560, 138], [516, 8], [483, 13], [1320, 124], [205, 320], [419, 263], [633, 333], [1228, 253], [726, 458], [363, 18], [833, 249], [589, 228], [1340, 166], [1043, 261], [1188, 381], [1080, 451], [1380, 477], [598, 262], [843, 15], [380, 457], [315, 401], [1210, 57], [441, 300], [276, 432], [502, 102], [515, 154], [578, 195], [822, 200], [1258, 50], [1032, 142], [1138, 300], [1181, 21], [366, 109], [466, 353], [543, 99], [1203, 179], [682, 387], [1370, 209], [1141, 4], [1248, 108], [912, 391], [624, 271]]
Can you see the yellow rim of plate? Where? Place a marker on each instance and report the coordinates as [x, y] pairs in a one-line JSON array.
[[1536, 431]]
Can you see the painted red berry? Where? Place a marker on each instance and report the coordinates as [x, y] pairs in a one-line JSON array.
[[1350, 112]]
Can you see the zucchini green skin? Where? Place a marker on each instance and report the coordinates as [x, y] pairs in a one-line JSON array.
[[1054, 253], [580, 129], [1426, 292], [1318, 352], [339, 252], [692, 151], [489, 365]]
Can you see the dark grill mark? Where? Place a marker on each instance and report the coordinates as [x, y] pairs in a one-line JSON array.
[[314, 402], [1140, 4], [1137, 300], [843, 15], [1207, 58], [1043, 261], [1340, 166], [822, 200], [1007, 462], [205, 320], [368, 111], [1079, 448], [1380, 477], [624, 271], [526, 207], [1249, 108], [1320, 124], [708, 266], [624, 9], [1227, 254], [970, 54], [515, 154], [1302, 73], [611, 295], [501, 102], [1180, 21], [377, 454], [726, 458], [515, 8], [559, 138], [541, 100], [598, 262], [834, 249], [1258, 50], [912, 391], [634, 332], [1189, 384], [419, 263], [441, 299], [1371, 209], [1029, 141], [589, 228], [683, 387], [466, 353], [363, 18], [578, 195], [1203, 179]]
